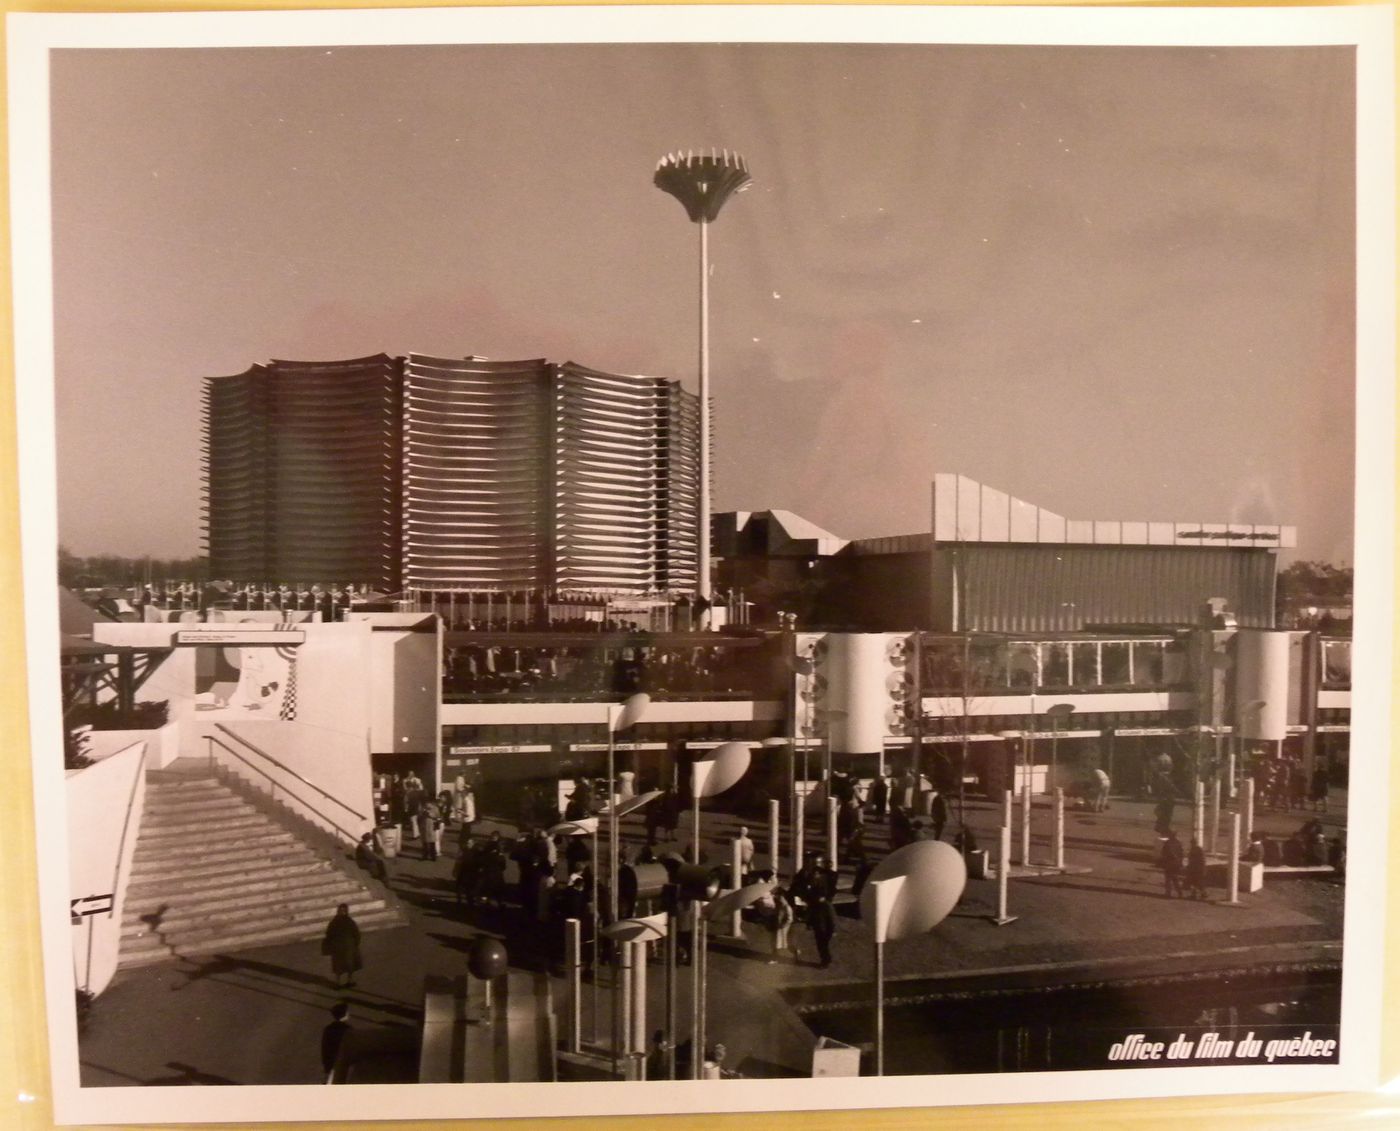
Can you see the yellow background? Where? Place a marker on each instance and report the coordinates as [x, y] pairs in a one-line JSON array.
[[25, 1101]]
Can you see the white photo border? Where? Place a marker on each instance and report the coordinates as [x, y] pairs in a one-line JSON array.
[[1369, 29]]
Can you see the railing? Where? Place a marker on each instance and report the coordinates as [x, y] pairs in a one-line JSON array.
[[349, 837], [606, 695], [1011, 666], [126, 821], [136, 782]]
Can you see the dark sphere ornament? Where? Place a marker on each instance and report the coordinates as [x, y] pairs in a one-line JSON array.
[[487, 958]]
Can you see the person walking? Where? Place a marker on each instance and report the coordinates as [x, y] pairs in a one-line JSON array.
[[1099, 785], [1196, 871], [775, 913], [1320, 789], [880, 794], [466, 813], [333, 1038], [821, 919], [429, 828], [746, 851], [1171, 861], [341, 944], [938, 813], [815, 887], [1166, 804]]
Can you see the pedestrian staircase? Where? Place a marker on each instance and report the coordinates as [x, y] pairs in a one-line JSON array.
[[213, 872]]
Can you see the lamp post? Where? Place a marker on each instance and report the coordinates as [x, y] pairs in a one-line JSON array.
[[702, 184], [711, 776], [1059, 713], [909, 893], [620, 717], [588, 827]]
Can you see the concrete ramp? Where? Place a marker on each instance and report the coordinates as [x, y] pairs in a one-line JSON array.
[[467, 1039]]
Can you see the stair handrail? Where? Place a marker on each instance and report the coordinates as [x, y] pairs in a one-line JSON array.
[[286, 770], [136, 780], [349, 836], [345, 834]]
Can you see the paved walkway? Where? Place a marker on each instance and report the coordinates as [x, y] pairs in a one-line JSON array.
[[256, 1016]]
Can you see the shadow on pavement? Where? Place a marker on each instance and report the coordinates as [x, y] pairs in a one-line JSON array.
[[754, 1067], [187, 1074], [223, 965]]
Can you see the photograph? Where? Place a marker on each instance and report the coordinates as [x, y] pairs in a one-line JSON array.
[[640, 566]]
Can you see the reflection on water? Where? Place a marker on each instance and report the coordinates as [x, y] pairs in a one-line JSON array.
[[986, 1029]]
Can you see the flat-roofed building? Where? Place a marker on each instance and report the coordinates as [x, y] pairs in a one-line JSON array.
[[995, 563]]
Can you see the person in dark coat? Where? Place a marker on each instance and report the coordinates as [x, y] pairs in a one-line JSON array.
[[821, 919], [938, 813], [1320, 787], [369, 854], [880, 794], [859, 860], [429, 827], [815, 887], [848, 819], [1172, 860], [901, 828], [341, 945], [1165, 806], [1196, 871], [333, 1037]]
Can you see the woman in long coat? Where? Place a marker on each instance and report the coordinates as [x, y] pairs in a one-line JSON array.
[[342, 945]]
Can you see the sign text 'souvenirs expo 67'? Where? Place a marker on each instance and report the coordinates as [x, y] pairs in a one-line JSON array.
[[240, 636]]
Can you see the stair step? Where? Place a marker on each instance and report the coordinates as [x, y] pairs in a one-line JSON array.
[[169, 818], [247, 891], [206, 828], [186, 787], [155, 951], [314, 917], [181, 916], [224, 873], [158, 860], [161, 810], [289, 868]]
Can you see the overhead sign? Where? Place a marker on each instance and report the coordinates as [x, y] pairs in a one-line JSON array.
[[587, 747], [91, 905], [537, 748], [227, 636]]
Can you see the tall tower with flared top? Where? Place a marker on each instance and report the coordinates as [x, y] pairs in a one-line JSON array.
[[702, 183]]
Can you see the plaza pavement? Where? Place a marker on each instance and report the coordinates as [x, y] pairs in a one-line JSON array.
[[255, 1017]]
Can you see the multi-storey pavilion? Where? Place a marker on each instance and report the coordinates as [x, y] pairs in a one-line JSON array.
[[302, 472], [453, 476]]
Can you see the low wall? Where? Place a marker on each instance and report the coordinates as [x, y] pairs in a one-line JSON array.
[[271, 757], [162, 745], [104, 818]]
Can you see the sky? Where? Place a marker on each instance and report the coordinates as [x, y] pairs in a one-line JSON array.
[[1115, 282]]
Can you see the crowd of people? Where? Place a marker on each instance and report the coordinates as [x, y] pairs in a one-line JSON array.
[[585, 671]]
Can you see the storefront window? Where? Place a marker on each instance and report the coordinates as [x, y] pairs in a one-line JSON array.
[[1085, 671], [1055, 658], [1148, 662], [1115, 664], [1336, 663], [1022, 666]]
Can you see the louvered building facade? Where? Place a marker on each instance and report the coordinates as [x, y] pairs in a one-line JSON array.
[[302, 472], [626, 482], [477, 462], [452, 475], [530, 476]]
